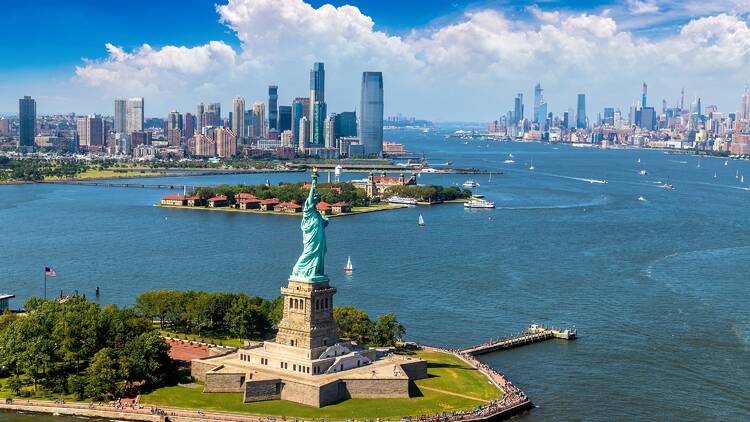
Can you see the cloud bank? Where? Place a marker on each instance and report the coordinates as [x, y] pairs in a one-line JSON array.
[[467, 70]]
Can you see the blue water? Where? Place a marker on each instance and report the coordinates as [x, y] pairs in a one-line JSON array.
[[658, 289]]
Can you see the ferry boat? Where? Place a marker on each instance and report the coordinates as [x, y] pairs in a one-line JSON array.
[[401, 200], [509, 161], [469, 184], [348, 268], [479, 203]]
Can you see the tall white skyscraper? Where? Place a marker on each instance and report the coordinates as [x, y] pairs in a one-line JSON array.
[[120, 115], [259, 119], [745, 105], [134, 115], [238, 116]]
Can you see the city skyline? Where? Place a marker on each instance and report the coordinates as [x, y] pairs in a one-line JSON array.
[[578, 49]]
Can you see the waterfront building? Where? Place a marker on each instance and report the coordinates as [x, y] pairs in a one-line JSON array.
[[91, 131], [226, 142], [581, 112], [4, 299], [300, 109], [26, 124], [318, 110], [377, 185], [393, 148], [285, 119], [273, 110], [259, 120], [120, 116], [238, 117], [371, 113], [134, 115]]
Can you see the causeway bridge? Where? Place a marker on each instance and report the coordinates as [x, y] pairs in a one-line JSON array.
[[535, 333], [110, 184]]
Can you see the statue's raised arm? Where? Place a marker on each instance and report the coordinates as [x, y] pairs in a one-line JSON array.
[[310, 266]]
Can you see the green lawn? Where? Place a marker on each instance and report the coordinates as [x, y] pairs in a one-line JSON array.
[[446, 373]]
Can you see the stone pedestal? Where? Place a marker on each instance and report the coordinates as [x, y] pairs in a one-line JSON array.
[[308, 321]]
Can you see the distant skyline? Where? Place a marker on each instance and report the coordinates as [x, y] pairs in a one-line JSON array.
[[441, 60]]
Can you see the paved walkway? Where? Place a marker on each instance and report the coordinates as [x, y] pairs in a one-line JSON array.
[[451, 393]]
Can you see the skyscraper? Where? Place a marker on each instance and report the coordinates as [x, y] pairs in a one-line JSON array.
[[300, 109], [238, 117], [371, 113], [134, 115], [609, 116], [304, 136], [226, 142], [26, 124], [330, 130], [285, 118], [199, 110], [745, 105], [537, 103], [581, 112], [188, 125], [518, 108], [120, 115], [317, 103], [212, 115], [345, 124], [259, 119], [273, 110], [90, 131], [643, 98]]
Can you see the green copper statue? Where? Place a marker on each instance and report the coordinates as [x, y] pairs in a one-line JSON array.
[[311, 264]]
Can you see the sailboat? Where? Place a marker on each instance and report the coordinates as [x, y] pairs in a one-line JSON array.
[[742, 179], [639, 160], [420, 221], [348, 268], [737, 174], [715, 176], [531, 167], [726, 163], [699, 164]]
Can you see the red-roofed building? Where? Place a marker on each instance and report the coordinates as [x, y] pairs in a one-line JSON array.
[[269, 204], [324, 208], [195, 201], [218, 201], [174, 200], [248, 204], [341, 207], [290, 207], [239, 196], [377, 185]]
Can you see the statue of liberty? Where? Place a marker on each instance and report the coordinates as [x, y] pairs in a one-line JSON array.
[[311, 264]]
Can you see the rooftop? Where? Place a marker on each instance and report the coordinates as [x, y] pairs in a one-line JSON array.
[[6, 296]]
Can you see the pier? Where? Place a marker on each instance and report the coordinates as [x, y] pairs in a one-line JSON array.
[[534, 334]]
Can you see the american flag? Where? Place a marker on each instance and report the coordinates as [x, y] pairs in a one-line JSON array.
[[50, 272]]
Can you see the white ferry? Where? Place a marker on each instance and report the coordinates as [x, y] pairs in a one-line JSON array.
[[479, 203], [470, 184], [401, 200]]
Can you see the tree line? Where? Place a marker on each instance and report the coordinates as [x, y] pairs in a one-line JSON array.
[[33, 170], [76, 347], [429, 192], [328, 192]]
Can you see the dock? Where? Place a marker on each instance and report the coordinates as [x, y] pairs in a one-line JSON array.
[[535, 333]]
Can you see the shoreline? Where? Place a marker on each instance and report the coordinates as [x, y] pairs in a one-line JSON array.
[[354, 211]]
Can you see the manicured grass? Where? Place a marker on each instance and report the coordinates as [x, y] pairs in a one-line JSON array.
[[231, 342], [446, 373], [355, 210]]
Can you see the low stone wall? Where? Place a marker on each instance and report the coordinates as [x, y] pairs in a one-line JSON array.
[[377, 388], [199, 368], [224, 382], [415, 369], [301, 393], [261, 390], [78, 411]]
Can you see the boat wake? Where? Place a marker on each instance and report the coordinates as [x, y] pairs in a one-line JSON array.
[[602, 200], [580, 179]]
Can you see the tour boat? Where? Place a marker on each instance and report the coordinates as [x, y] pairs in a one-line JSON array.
[[420, 222], [643, 172], [401, 200], [479, 203], [349, 268], [470, 184]]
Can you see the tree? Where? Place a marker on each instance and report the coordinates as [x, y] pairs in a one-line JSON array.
[[145, 358], [101, 375], [15, 384], [387, 330], [243, 317], [352, 323]]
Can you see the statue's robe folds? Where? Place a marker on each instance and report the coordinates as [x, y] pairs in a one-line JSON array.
[[311, 263]]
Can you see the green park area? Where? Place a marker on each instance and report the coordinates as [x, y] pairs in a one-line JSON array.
[[452, 385]]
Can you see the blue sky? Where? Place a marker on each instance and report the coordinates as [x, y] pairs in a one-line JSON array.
[[466, 47]]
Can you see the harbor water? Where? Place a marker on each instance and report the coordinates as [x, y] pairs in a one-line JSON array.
[[657, 288]]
